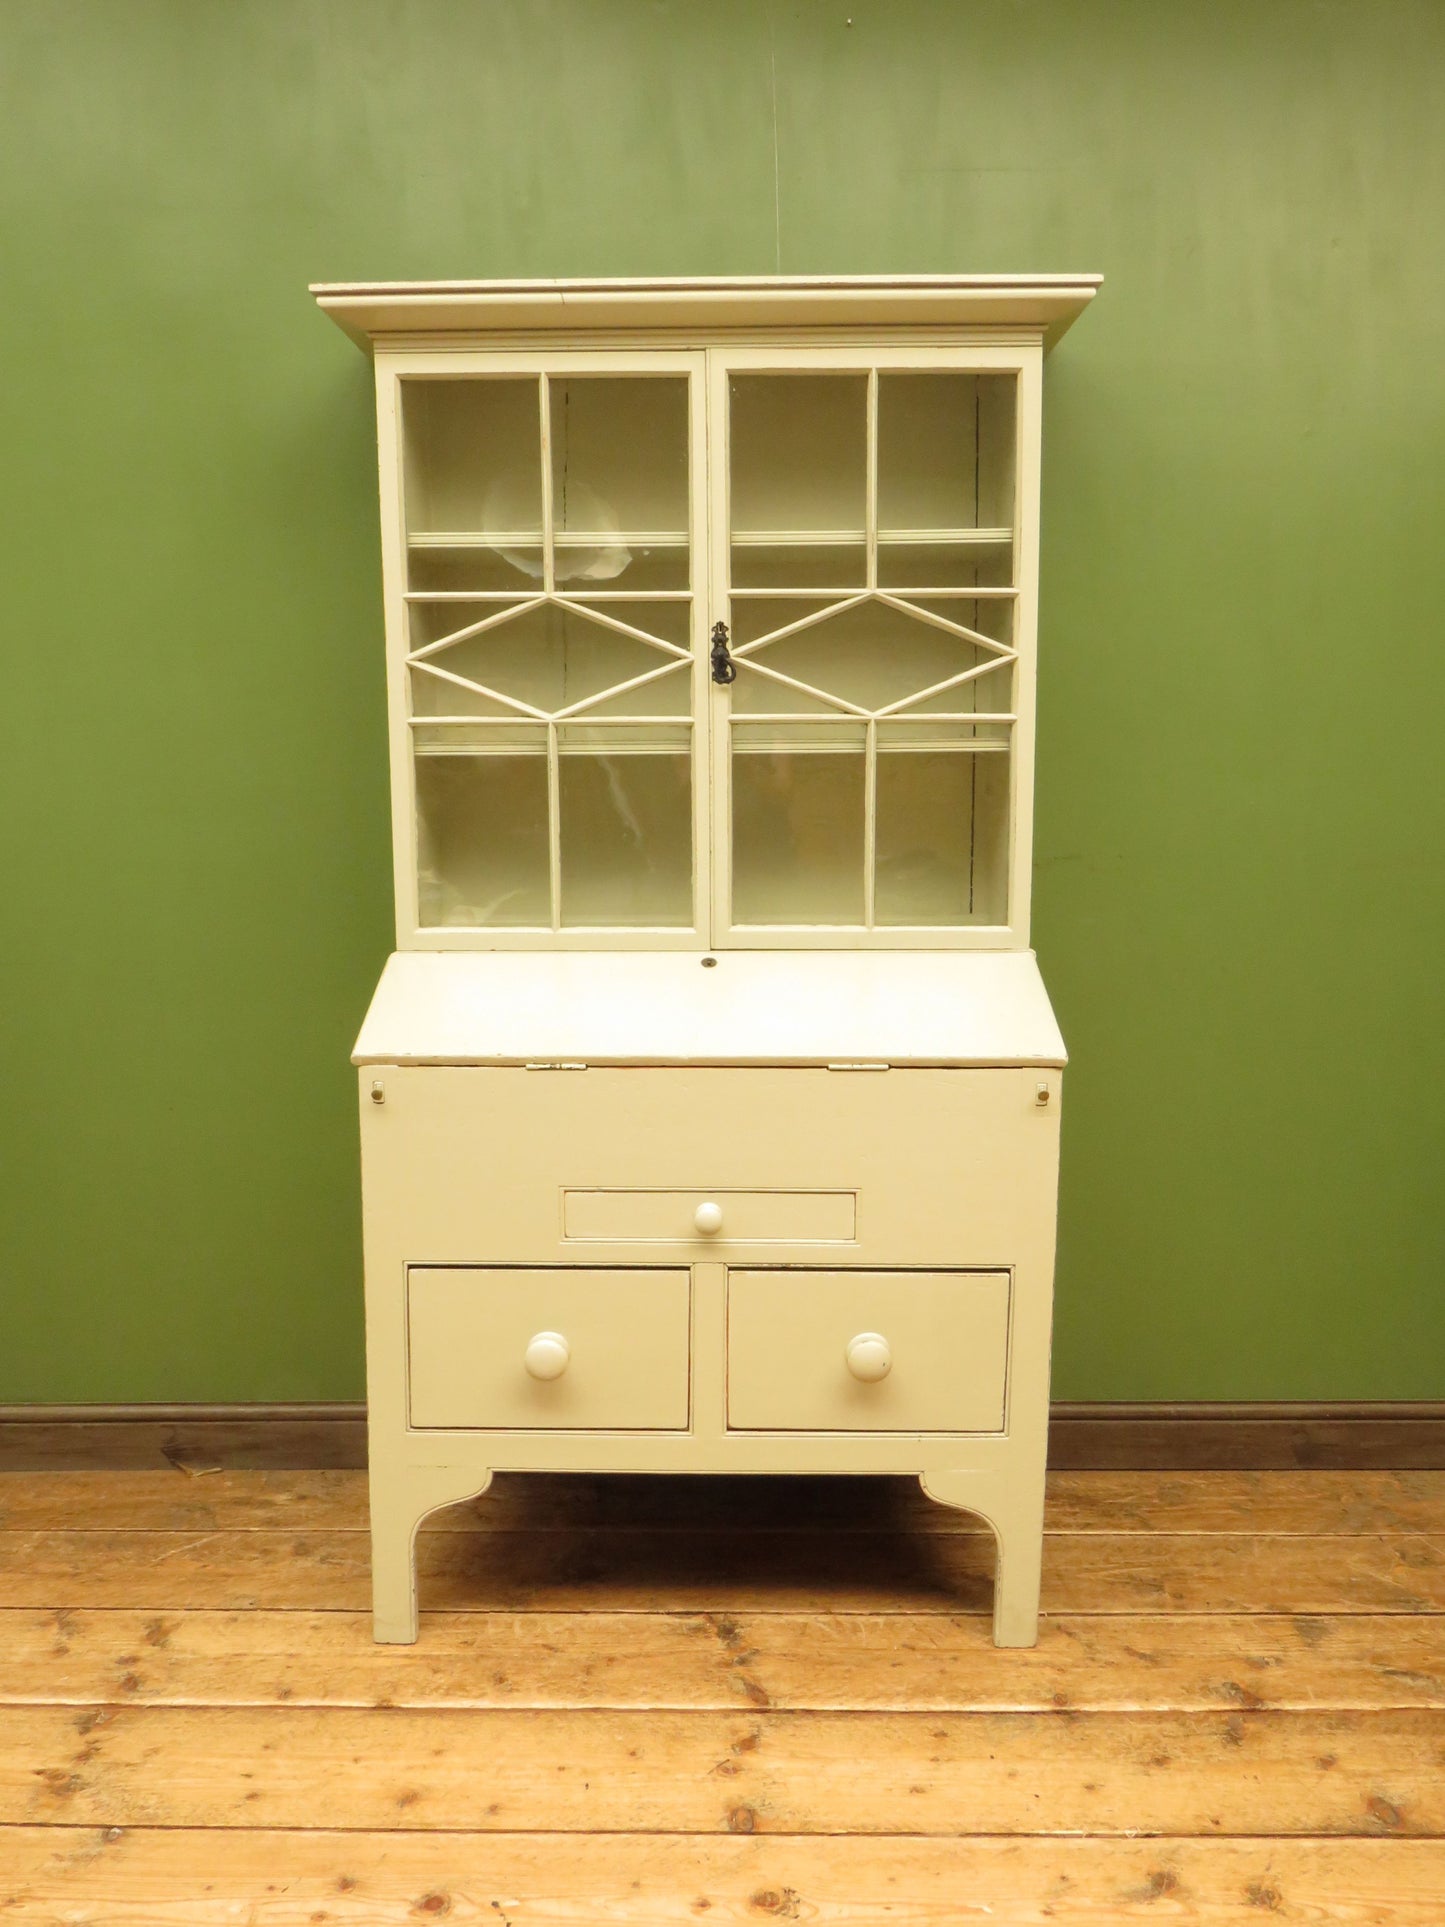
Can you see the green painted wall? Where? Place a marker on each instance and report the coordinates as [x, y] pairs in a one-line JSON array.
[[1240, 819]]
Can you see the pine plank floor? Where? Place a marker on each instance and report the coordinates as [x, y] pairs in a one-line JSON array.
[[655, 1701]]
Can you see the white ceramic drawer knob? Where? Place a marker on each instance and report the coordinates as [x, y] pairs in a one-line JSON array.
[[869, 1357], [708, 1218], [547, 1355]]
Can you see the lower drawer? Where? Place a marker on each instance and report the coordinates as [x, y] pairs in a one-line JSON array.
[[515, 1347], [867, 1351]]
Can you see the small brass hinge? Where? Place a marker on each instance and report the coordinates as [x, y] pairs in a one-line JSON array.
[[551, 1065], [857, 1067]]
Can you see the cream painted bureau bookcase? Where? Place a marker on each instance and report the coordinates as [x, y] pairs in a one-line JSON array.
[[710, 1103]]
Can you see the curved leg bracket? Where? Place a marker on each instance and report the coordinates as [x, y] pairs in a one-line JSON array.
[[1014, 1507], [399, 1503]]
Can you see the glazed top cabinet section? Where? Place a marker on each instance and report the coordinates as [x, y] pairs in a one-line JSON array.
[[711, 609]]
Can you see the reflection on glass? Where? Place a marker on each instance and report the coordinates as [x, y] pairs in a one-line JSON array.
[[482, 840], [626, 822], [797, 853], [941, 839], [619, 479], [616, 564]]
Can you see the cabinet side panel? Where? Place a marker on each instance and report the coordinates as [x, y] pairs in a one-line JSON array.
[[1026, 523], [393, 587]]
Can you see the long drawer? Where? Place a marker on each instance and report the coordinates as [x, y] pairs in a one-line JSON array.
[[709, 1217]]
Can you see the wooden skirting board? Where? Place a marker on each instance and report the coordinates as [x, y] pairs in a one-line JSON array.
[[1083, 1437]]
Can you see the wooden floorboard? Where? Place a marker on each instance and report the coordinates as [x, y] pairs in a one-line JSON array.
[[640, 1569], [813, 1661], [627, 1705], [142, 1878], [744, 1772]]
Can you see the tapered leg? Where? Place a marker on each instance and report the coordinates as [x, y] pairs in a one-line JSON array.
[[1020, 1565], [399, 1503], [1013, 1505]]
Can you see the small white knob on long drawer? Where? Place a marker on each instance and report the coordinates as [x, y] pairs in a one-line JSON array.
[[708, 1218], [547, 1355], [869, 1356]]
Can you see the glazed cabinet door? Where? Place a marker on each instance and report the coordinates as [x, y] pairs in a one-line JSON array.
[[545, 624], [873, 563]]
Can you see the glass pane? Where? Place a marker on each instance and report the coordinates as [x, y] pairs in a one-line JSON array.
[[942, 838], [481, 822], [549, 658], [613, 563], [870, 655], [991, 616], [626, 837], [755, 693], [620, 479], [669, 694], [435, 693], [429, 622], [472, 455], [798, 450], [472, 567], [792, 565], [667, 621], [945, 451], [946, 467], [989, 693], [447, 738], [918, 730], [797, 854], [963, 564], [757, 616]]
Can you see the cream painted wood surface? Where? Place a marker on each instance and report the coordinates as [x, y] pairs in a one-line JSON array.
[[711, 621], [429, 618], [859, 778], [825, 534], [937, 1360], [779, 1007], [724, 1217], [370, 311], [622, 1361], [465, 1165]]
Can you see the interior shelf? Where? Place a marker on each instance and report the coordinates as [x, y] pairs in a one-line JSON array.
[[532, 538], [853, 538]]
